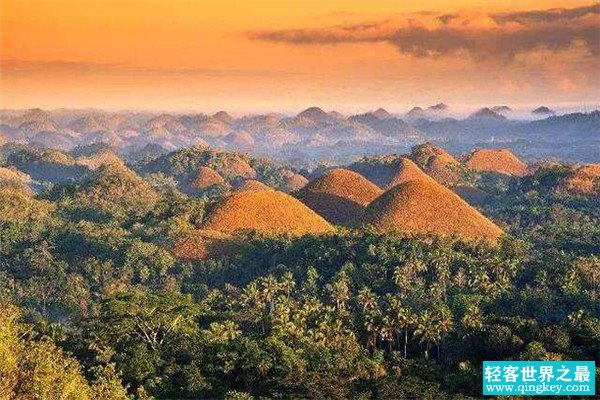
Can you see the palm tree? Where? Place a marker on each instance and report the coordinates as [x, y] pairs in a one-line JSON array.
[[369, 304], [270, 288], [287, 283], [402, 318], [339, 290], [253, 304], [427, 330]]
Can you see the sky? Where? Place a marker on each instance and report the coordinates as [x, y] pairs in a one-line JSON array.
[[286, 55]]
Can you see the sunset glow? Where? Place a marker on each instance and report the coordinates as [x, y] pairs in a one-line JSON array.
[[285, 55]]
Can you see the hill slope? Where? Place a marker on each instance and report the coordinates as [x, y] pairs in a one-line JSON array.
[[437, 163], [339, 195], [407, 171], [265, 211], [422, 206]]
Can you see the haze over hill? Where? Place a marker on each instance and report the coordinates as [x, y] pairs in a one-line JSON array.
[[309, 137]]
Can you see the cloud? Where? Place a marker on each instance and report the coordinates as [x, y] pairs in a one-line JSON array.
[[11, 68], [478, 35]]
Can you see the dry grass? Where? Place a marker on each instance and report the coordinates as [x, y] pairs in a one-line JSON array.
[[502, 161], [294, 181], [585, 179], [13, 175], [206, 244], [207, 177], [237, 167], [407, 171], [437, 163], [252, 184], [265, 211], [422, 206], [340, 195]]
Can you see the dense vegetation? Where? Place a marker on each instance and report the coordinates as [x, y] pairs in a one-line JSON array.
[[95, 305]]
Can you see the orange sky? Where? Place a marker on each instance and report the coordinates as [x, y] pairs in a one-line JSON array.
[[285, 55]]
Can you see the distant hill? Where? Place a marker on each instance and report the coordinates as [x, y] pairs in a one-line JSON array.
[[47, 165], [387, 125], [382, 113], [438, 164], [502, 161], [543, 111], [501, 109], [308, 138], [315, 114], [486, 113], [438, 107], [207, 177], [184, 165], [416, 113]]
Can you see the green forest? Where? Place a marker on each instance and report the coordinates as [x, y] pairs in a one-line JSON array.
[[97, 305]]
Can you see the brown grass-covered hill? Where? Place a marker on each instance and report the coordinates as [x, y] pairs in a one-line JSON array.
[[251, 184], [422, 206], [501, 161], [438, 164], [265, 211], [584, 179], [235, 166], [293, 181], [387, 171], [340, 195], [207, 177], [407, 171], [206, 244]]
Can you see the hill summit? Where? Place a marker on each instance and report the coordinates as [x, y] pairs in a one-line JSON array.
[[407, 171], [437, 163], [422, 206], [339, 195], [207, 177], [502, 161]]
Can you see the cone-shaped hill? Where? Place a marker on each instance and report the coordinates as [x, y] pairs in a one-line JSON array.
[[585, 179], [207, 177], [265, 211], [501, 161], [339, 196], [422, 206], [293, 181], [407, 171], [437, 163], [251, 184]]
